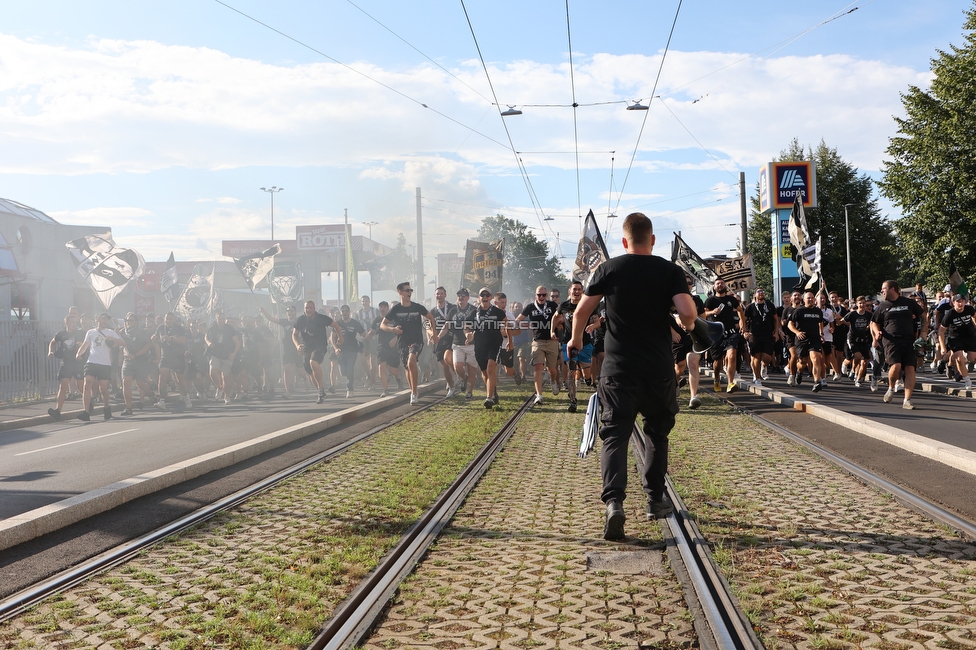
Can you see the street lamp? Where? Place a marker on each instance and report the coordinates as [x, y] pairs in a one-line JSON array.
[[370, 224], [847, 236], [272, 191]]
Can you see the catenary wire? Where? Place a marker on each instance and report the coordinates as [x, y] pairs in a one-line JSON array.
[[572, 83], [657, 78], [362, 74]]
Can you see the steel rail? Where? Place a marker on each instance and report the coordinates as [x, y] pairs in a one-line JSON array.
[[354, 618], [17, 603], [912, 500], [726, 622]]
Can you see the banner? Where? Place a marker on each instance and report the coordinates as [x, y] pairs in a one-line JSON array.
[[800, 240], [449, 271], [382, 271], [956, 283], [198, 299], [591, 252], [255, 267], [483, 263], [169, 282], [352, 273], [737, 273], [107, 268], [703, 275], [286, 284]]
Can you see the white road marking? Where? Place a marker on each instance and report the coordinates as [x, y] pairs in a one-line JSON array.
[[74, 442]]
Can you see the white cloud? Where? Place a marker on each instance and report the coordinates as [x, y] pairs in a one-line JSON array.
[[134, 217]]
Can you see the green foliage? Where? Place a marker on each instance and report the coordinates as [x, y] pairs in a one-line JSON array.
[[873, 247], [528, 262], [932, 166]]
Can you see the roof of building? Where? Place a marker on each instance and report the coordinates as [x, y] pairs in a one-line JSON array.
[[12, 207]]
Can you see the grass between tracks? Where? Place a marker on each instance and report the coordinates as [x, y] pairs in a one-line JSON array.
[[816, 558], [269, 573]]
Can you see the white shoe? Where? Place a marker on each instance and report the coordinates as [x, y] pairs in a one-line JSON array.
[[161, 404], [899, 386], [187, 402], [538, 400], [907, 405], [694, 403], [414, 400], [836, 377], [967, 382], [764, 373], [555, 388], [888, 395], [857, 383], [874, 385], [757, 383], [227, 401], [348, 394], [450, 392], [791, 381]]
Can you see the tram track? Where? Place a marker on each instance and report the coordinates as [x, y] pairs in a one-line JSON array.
[[15, 604]]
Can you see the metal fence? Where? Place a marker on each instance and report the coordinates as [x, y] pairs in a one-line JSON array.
[[26, 374]]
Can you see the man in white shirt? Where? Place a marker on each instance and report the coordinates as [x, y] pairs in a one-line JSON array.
[[99, 342]]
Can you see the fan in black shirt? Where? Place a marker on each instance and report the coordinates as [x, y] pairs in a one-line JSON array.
[[762, 330], [807, 324], [959, 327], [894, 326]]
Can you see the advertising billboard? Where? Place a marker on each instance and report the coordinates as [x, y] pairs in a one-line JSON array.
[[780, 182]]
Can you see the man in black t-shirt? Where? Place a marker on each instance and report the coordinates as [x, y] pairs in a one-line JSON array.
[[137, 350], [562, 330], [859, 339], [637, 375], [311, 338], [443, 312], [958, 335], [941, 352], [807, 323], [348, 350], [458, 328], [893, 326], [762, 330], [171, 339], [64, 346], [725, 308], [405, 319], [545, 350], [387, 353], [490, 329], [683, 350], [223, 346], [789, 339]]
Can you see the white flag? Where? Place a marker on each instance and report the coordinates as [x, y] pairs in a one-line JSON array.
[[107, 268]]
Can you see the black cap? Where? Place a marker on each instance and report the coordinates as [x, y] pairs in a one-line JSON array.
[[958, 296], [463, 292]]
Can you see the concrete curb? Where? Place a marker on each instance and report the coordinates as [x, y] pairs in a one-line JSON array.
[[961, 459], [40, 521], [10, 425]]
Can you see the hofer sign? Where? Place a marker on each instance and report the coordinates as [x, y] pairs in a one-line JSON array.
[[781, 182]]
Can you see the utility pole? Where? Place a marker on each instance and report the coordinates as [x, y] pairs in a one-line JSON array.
[[420, 285], [743, 224]]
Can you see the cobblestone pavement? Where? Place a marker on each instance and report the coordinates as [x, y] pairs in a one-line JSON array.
[[523, 564], [818, 559]]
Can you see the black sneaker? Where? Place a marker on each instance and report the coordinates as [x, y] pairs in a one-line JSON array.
[[659, 509], [942, 367], [817, 386], [107, 414], [321, 399], [489, 403], [126, 411], [613, 529], [331, 390], [518, 379], [682, 382], [84, 417], [55, 414], [572, 406], [799, 378]]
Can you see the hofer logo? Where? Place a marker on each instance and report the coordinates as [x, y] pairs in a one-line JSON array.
[[781, 182]]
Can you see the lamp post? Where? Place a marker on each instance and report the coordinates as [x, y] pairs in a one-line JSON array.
[[370, 224], [847, 236], [272, 191]]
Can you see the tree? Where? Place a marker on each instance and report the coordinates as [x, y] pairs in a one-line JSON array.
[[873, 247], [933, 164], [528, 262]]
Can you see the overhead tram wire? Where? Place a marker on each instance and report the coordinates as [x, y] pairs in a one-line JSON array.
[[717, 161], [525, 176], [609, 193], [572, 83], [411, 46], [362, 74], [657, 78]]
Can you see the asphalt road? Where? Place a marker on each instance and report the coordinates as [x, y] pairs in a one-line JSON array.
[[47, 463]]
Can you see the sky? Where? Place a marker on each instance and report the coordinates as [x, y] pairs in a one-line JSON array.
[[163, 120]]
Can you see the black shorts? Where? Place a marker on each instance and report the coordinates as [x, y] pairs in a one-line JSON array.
[[505, 357], [859, 347], [729, 341], [71, 371], [315, 354], [681, 349], [413, 348], [443, 345], [757, 348], [900, 351], [176, 364], [961, 345], [389, 356], [98, 371], [137, 368], [805, 346], [828, 347], [598, 346], [485, 353]]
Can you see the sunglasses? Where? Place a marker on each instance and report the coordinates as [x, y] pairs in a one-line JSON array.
[[541, 294], [407, 290], [485, 295]]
